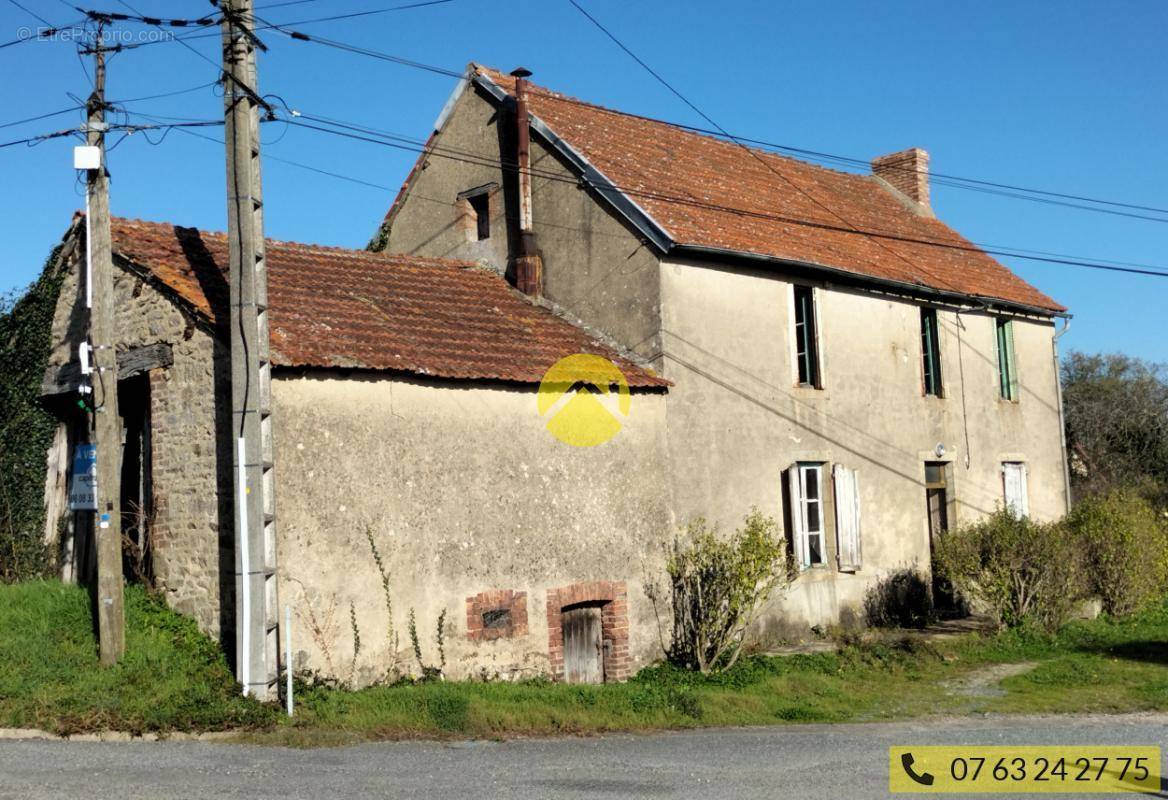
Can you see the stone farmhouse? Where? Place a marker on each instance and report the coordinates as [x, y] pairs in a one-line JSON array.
[[808, 342]]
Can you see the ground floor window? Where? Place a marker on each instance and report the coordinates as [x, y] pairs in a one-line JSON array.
[[806, 488], [1014, 490]]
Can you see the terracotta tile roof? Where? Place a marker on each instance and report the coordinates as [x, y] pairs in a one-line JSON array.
[[805, 206], [332, 307]]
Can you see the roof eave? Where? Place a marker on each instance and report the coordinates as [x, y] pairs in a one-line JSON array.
[[657, 234], [706, 252], [638, 217]]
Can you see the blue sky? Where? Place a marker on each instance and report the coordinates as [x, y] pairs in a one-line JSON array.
[[1066, 96]]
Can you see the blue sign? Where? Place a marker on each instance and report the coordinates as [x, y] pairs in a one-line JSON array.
[[83, 486]]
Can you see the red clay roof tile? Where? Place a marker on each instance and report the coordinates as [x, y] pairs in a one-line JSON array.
[[794, 210], [332, 307]]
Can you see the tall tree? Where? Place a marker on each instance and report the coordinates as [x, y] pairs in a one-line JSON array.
[[1117, 422]]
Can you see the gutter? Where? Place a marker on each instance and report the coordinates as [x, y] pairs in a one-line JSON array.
[[847, 276], [1058, 382], [657, 234]]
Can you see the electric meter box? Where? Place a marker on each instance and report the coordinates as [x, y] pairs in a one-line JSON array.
[[86, 157]]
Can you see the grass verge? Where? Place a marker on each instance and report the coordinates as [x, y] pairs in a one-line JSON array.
[[173, 678]]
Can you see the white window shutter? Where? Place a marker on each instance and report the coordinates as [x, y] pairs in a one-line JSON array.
[[1014, 485], [847, 516], [798, 518], [1024, 491]]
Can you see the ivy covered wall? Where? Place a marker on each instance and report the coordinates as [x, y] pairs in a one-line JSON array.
[[26, 429]]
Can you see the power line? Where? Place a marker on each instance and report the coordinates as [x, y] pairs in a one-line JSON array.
[[31, 13], [739, 140], [770, 167], [974, 184], [33, 140], [1010, 252], [285, 3], [117, 16], [207, 85], [354, 14], [271, 26], [42, 116], [179, 40], [941, 178], [288, 161], [382, 56], [1008, 190]]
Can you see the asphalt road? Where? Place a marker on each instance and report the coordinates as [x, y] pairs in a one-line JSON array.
[[811, 761]]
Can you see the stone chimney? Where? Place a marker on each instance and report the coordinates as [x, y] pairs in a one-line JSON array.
[[907, 172]]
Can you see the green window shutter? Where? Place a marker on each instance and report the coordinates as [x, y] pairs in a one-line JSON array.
[[930, 352], [1011, 361], [1007, 366]]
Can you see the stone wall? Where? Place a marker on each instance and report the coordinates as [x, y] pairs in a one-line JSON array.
[[191, 480]]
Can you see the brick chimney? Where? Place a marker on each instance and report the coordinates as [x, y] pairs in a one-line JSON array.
[[907, 172]]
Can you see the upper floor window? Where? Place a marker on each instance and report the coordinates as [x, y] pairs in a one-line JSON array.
[[931, 352], [474, 207], [480, 206], [806, 338], [1007, 367]]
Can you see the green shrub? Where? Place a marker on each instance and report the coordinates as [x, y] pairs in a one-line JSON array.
[[717, 587], [1126, 544], [901, 599], [1020, 571]]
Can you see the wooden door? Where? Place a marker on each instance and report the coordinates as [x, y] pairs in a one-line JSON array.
[[583, 648]]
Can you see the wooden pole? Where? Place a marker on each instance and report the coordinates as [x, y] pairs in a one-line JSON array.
[[107, 426]]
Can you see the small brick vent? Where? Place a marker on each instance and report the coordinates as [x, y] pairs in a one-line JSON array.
[[614, 623], [496, 614]]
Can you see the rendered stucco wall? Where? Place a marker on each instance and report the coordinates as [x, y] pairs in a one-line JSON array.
[[191, 504], [736, 419], [466, 495], [594, 267]]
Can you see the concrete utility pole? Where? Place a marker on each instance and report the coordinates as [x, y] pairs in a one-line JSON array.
[[107, 425], [256, 601]]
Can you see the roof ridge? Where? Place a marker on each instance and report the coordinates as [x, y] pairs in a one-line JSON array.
[[728, 139]]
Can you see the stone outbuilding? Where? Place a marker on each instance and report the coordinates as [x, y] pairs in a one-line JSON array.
[[408, 438]]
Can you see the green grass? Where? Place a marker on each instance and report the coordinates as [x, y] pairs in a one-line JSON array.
[[173, 678]]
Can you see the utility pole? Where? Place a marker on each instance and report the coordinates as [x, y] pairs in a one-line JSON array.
[[107, 425], [256, 600]]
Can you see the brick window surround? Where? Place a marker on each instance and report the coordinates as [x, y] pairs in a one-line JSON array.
[[612, 596], [514, 603]]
